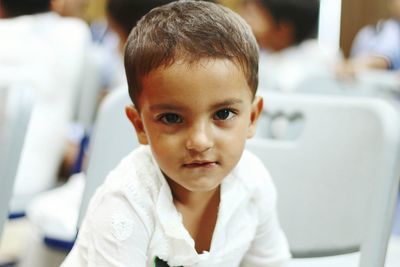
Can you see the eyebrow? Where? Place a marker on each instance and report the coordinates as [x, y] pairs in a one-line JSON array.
[[224, 103], [227, 102], [163, 106]]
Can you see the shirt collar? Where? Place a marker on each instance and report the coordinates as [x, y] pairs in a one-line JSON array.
[[233, 192]]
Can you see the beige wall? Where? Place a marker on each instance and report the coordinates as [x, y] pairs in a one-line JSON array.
[[95, 10], [356, 14]]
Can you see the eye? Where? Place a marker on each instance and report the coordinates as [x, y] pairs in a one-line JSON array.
[[224, 114], [170, 118]]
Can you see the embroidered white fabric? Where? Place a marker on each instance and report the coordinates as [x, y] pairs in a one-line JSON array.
[[122, 226], [132, 219]]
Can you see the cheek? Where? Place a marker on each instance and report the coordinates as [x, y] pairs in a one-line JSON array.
[[162, 144], [237, 135], [232, 148], [162, 153]]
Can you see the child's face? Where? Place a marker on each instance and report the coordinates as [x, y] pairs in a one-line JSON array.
[[196, 119]]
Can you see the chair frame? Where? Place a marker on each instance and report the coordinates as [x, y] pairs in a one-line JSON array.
[[380, 214]]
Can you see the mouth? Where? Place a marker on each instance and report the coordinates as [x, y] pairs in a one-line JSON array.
[[200, 164]]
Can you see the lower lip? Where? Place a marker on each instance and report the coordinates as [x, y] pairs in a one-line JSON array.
[[200, 165]]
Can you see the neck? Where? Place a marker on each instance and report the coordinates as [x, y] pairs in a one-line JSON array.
[[190, 199], [199, 212]]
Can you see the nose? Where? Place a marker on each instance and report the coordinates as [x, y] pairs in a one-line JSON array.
[[199, 138]]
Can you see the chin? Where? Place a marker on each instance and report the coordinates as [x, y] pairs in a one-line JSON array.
[[203, 187]]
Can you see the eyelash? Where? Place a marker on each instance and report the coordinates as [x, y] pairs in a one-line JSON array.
[[163, 118], [177, 119], [231, 114]]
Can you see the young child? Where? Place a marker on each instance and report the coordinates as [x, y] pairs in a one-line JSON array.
[[191, 195]]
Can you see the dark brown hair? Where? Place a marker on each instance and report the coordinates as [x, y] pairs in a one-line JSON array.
[[302, 14], [15, 8], [128, 12], [189, 31]]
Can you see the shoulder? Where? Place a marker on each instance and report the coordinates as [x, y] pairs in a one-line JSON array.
[[252, 172], [137, 163], [388, 31], [114, 217], [133, 185], [14, 27], [121, 218], [249, 161], [113, 233], [389, 25], [67, 22], [68, 32]]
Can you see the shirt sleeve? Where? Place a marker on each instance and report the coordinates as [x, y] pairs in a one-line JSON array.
[[385, 43], [388, 43], [269, 247], [112, 234]]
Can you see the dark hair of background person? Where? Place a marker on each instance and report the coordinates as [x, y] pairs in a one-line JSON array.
[[128, 12], [15, 8], [302, 14]]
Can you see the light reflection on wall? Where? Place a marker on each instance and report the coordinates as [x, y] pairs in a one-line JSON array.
[[329, 23]]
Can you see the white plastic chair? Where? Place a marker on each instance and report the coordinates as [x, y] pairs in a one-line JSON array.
[[16, 105], [114, 137], [366, 83], [88, 95], [336, 167]]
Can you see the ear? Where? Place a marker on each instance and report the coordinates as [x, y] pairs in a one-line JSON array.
[[286, 33], [134, 116], [57, 6], [256, 110]]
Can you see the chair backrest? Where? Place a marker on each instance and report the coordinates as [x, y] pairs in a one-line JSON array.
[[367, 83], [16, 105], [88, 95], [336, 171], [113, 138]]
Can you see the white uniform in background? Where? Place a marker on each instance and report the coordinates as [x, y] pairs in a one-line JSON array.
[[382, 39], [285, 70], [46, 53]]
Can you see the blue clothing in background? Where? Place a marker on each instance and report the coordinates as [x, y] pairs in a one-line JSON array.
[[381, 40]]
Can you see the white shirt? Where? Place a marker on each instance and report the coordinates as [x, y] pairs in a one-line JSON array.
[[132, 219], [284, 71]]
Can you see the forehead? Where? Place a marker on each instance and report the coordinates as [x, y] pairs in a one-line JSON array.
[[185, 82]]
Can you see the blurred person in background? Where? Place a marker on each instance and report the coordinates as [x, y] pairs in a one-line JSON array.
[[70, 8], [104, 40], [45, 52], [286, 33], [378, 46], [121, 17]]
